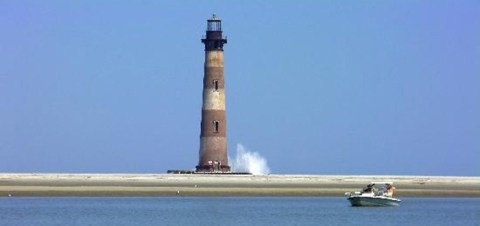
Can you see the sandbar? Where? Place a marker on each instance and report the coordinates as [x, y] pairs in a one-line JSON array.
[[36, 184]]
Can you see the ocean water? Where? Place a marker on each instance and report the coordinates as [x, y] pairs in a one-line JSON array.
[[212, 211]]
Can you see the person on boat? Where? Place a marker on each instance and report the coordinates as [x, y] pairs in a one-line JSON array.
[[390, 189], [368, 189]]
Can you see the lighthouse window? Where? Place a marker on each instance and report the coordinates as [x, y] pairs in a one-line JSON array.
[[215, 126], [215, 85]]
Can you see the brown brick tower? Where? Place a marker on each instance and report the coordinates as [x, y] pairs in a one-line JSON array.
[[213, 135]]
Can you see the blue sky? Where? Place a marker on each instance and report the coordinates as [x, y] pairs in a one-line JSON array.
[[316, 87]]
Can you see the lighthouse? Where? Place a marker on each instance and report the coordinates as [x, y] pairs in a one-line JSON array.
[[213, 156]]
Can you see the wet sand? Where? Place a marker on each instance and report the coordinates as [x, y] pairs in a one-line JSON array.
[[227, 185]]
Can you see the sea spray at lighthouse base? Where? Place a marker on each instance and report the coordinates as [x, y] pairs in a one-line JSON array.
[[248, 161]]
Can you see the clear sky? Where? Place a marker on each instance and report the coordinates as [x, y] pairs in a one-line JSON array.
[[316, 87]]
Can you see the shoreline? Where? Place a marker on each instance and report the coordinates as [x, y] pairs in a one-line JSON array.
[[31, 184]]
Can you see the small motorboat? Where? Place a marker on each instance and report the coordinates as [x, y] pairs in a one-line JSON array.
[[375, 194]]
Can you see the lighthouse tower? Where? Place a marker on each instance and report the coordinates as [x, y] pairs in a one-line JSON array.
[[213, 135]]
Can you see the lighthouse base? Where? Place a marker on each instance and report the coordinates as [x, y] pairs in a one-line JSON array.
[[207, 172], [212, 169]]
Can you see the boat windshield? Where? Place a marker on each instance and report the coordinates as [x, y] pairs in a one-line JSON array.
[[381, 190]]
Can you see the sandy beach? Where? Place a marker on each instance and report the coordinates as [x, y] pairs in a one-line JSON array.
[[226, 185]]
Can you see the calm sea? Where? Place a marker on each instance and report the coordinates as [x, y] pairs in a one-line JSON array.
[[234, 211]]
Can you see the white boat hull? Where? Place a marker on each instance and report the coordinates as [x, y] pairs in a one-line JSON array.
[[359, 200]]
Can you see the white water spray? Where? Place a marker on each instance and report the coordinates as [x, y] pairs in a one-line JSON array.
[[247, 161]]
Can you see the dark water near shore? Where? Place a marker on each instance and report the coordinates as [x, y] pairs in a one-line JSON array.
[[234, 211]]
